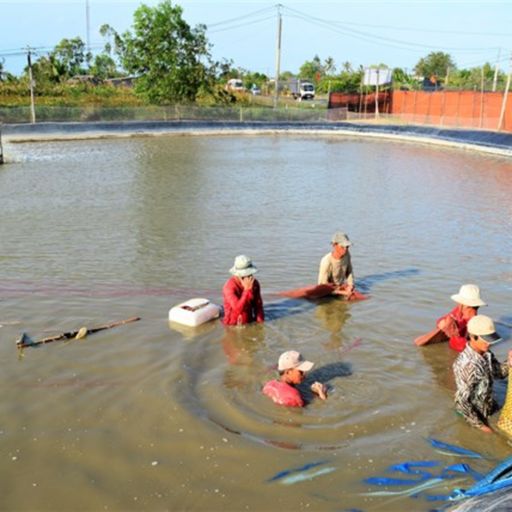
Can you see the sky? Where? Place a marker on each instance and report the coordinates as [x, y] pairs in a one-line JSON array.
[[396, 33]]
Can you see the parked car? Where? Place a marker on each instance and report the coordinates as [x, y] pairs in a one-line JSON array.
[[255, 90]]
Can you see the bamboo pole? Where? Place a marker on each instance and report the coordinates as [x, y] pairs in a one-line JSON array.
[[25, 340]]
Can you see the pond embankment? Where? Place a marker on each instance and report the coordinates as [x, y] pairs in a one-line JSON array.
[[478, 140]]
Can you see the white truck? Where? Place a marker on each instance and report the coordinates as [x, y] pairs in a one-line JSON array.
[[301, 90], [235, 84]]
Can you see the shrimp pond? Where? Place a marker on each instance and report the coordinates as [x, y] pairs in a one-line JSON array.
[[150, 416]]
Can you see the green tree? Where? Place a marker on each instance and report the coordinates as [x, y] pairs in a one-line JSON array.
[[170, 59], [329, 66], [46, 71], [435, 64], [311, 70], [69, 56], [104, 66]]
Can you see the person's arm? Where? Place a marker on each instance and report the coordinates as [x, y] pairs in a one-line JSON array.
[[237, 301], [258, 303], [449, 326], [500, 370], [350, 274], [319, 389], [323, 273]]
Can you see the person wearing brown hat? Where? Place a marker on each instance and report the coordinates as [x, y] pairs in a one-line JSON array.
[[242, 295], [292, 369], [474, 371], [336, 266], [454, 324]]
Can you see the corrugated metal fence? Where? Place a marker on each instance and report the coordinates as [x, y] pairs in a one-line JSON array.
[[462, 109]]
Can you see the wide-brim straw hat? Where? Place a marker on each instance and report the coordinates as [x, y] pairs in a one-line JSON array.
[[469, 295], [243, 267]]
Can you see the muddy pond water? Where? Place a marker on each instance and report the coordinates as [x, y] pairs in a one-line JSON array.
[[149, 416]]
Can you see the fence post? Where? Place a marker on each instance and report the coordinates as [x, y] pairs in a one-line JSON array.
[[1, 150], [458, 108], [505, 95], [481, 109], [414, 106], [241, 115], [443, 106]]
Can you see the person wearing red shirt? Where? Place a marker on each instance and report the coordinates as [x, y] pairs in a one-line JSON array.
[[242, 295], [292, 369], [454, 324]]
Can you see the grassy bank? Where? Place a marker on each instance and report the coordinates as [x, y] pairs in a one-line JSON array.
[[18, 95]]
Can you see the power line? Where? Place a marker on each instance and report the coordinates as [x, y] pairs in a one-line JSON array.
[[244, 16], [242, 25], [396, 43]]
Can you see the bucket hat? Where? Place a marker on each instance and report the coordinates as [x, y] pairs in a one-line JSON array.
[[341, 239], [243, 267], [469, 295], [483, 326], [293, 359]]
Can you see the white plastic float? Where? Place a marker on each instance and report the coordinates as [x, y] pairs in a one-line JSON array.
[[194, 312]]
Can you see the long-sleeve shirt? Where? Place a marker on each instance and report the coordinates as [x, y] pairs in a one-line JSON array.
[[457, 343], [242, 306], [474, 375], [335, 271]]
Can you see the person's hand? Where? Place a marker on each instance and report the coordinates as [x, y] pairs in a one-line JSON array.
[[248, 282], [448, 326], [486, 429], [509, 358], [344, 290], [319, 389]]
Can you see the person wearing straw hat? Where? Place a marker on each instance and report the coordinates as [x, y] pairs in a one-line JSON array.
[[242, 295], [292, 369], [336, 266], [474, 371], [454, 324]]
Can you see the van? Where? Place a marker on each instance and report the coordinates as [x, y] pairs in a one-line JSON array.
[[235, 84]]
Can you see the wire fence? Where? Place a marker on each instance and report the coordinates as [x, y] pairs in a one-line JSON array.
[[173, 113], [479, 118]]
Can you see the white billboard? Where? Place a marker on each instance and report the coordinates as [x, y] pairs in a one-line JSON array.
[[376, 76]]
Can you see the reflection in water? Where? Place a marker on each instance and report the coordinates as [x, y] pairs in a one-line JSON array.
[[333, 313]]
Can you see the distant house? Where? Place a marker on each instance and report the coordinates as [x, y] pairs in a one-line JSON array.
[[431, 84], [124, 81], [84, 79]]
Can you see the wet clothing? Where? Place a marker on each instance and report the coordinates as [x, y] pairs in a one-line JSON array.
[[474, 374], [283, 393], [333, 271], [457, 343], [242, 306]]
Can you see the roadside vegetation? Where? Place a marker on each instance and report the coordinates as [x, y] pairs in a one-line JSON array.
[[163, 61]]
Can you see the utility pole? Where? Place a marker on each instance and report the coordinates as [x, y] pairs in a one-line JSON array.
[[377, 96], [278, 54], [495, 79], [31, 84], [505, 95], [87, 26]]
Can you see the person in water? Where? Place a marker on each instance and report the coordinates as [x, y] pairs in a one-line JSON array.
[[336, 266], [474, 370], [454, 324], [292, 369], [242, 295]]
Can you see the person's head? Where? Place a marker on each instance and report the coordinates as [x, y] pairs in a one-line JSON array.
[[293, 367], [243, 267], [482, 333], [469, 300], [340, 244]]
